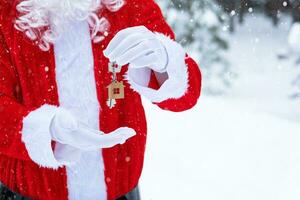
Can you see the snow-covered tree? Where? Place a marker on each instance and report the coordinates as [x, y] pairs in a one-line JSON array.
[[198, 25]]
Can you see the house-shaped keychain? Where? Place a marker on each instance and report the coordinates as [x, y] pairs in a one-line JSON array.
[[116, 90]]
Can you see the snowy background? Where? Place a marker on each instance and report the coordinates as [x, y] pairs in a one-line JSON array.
[[242, 140]]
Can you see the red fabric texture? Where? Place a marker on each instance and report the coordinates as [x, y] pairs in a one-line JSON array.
[[27, 81]]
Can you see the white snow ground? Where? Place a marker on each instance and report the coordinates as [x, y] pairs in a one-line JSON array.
[[242, 146]]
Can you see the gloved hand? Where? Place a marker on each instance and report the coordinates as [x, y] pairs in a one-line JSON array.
[[65, 129], [138, 47]]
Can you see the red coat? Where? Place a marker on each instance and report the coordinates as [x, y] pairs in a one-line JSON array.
[[25, 85]]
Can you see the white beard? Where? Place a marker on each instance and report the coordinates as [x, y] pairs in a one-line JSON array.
[[44, 21]]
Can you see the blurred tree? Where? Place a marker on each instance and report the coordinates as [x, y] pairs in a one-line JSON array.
[[230, 7], [198, 26], [295, 6], [242, 9], [273, 9]]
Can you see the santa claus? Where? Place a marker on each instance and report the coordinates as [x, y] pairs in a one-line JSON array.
[[72, 73]]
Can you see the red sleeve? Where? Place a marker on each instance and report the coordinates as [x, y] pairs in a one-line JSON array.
[[12, 111], [148, 13]]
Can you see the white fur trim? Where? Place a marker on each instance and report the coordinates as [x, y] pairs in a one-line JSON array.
[[37, 137], [77, 93], [177, 83]]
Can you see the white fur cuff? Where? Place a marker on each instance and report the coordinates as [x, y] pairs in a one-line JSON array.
[[37, 137], [177, 83]]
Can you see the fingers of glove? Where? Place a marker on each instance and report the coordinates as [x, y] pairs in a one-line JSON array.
[[116, 137], [89, 139], [145, 48], [128, 43], [162, 60], [81, 138], [121, 35], [144, 61], [86, 136], [142, 49]]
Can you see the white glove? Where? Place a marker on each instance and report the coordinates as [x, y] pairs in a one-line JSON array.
[[65, 129], [138, 47]]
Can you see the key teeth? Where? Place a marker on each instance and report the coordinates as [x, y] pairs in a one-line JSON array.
[[111, 103]]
